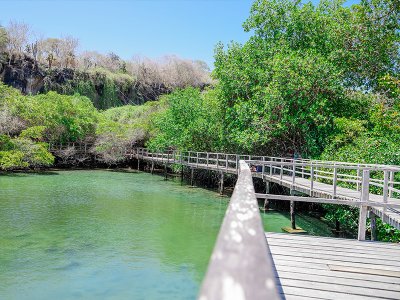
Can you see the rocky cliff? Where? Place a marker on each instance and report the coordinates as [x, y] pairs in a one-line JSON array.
[[105, 89]]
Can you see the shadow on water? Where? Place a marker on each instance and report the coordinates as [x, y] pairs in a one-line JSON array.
[[27, 173], [122, 170]]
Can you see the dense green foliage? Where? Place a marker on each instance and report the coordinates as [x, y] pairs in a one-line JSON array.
[[189, 120], [323, 81], [320, 80]]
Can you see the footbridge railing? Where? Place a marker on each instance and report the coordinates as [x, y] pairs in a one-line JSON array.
[[372, 187], [380, 179], [241, 264]]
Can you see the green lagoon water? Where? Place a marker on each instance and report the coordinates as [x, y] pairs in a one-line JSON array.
[[107, 235]]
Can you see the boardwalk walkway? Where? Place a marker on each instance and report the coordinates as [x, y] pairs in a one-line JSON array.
[[322, 181], [310, 267]]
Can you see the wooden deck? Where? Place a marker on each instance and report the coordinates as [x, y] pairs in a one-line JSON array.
[[310, 267], [303, 185], [323, 190]]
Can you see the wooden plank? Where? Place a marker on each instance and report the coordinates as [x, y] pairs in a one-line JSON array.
[[392, 283], [372, 255], [318, 294], [339, 247], [371, 271], [338, 282], [337, 241], [340, 289], [313, 260], [339, 259]]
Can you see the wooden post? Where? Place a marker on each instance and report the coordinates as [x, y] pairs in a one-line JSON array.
[[267, 191], [166, 171], [294, 173], [337, 227], [334, 181], [385, 189], [270, 168], [358, 176], [372, 217], [312, 181], [221, 184], [191, 176], [226, 162], [152, 167], [263, 167], [292, 215], [292, 211], [362, 219], [266, 204], [181, 174], [138, 164], [208, 155], [391, 184]]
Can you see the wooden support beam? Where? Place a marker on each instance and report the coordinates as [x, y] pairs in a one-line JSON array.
[[292, 212], [221, 184], [372, 218], [266, 204], [166, 171], [322, 200], [181, 173], [138, 164], [152, 168], [192, 177], [362, 222]]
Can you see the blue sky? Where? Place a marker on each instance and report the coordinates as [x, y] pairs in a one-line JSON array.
[[187, 28]]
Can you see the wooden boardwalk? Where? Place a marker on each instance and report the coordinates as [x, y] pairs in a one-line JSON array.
[[353, 197], [317, 179], [304, 267], [310, 267]]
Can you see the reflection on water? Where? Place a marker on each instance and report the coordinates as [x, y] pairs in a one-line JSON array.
[[101, 234]]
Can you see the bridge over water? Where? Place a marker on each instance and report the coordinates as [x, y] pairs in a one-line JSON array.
[[245, 265], [248, 263]]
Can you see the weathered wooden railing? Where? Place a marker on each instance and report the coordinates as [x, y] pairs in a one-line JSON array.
[[349, 175], [369, 186], [241, 265]]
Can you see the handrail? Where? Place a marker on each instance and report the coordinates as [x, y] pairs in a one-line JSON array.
[[335, 173], [241, 265]]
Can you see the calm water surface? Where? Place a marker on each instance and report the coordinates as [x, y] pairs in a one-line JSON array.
[[104, 235], [109, 235]]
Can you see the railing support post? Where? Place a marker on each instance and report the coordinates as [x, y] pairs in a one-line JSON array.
[[294, 173], [270, 168], [385, 189], [334, 181], [391, 184], [362, 219], [312, 181]]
